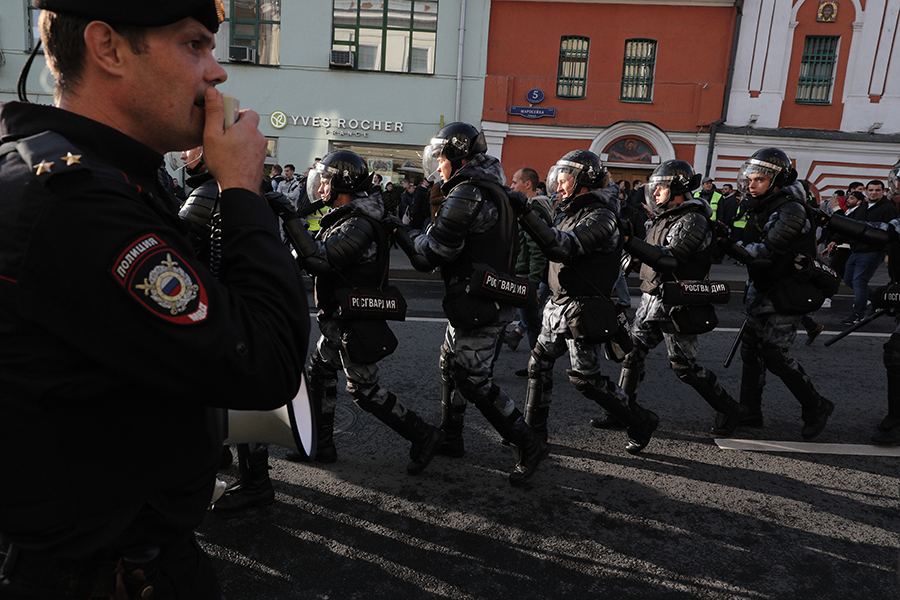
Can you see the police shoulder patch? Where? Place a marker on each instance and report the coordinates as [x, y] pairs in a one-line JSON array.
[[156, 276]]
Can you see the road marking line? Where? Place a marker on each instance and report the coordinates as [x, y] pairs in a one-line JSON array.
[[824, 332], [807, 447]]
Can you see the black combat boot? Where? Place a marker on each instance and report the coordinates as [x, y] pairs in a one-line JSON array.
[[255, 487], [814, 420], [326, 451], [529, 449], [729, 413], [640, 423], [425, 438]]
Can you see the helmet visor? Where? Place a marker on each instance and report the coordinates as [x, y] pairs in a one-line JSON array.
[[756, 170], [430, 159], [318, 185], [658, 193], [894, 180], [561, 179]]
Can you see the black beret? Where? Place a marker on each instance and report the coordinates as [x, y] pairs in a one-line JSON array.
[[139, 14]]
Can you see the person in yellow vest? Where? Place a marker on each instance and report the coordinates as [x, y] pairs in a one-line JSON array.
[[709, 193]]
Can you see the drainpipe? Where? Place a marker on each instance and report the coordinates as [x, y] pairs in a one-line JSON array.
[[715, 125], [459, 58]]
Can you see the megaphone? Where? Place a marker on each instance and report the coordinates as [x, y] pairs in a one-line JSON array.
[[292, 426]]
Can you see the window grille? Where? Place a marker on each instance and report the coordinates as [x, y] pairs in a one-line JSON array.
[[398, 36], [637, 71], [573, 58], [817, 69]]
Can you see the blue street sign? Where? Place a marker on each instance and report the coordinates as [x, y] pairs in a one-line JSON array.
[[534, 96], [532, 112]]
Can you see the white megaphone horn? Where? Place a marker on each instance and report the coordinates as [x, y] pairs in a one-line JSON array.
[[292, 426]]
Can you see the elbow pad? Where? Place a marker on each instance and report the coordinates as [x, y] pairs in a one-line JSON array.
[[456, 216], [862, 231], [651, 255], [596, 230], [787, 228], [346, 247], [688, 236]]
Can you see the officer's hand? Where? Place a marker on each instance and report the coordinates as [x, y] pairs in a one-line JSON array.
[[281, 206], [720, 231], [519, 202], [820, 217], [235, 155]]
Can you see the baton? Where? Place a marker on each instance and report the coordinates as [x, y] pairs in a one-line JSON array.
[[856, 326], [735, 345]]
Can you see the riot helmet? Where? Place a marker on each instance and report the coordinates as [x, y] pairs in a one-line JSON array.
[[456, 142], [576, 169], [894, 179], [670, 179], [768, 162], [340, 172]]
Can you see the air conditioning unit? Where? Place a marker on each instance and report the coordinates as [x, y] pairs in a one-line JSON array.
[[341, 58], [241, 54]]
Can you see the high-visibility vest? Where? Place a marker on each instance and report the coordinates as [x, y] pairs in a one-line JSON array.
[[313, 219], [713, 203]]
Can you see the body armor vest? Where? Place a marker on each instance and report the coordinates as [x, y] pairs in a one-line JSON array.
[[497, 247], [696, 268], [591, 274], [370, 274]]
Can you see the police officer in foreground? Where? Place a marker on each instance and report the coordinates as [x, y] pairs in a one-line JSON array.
[[117, 342], [881, 234], [584, 248], [678, 246], [779, 232], [475, 224], [351, 250]]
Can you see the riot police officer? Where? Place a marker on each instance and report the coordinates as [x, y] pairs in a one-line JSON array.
[[475, 224], [678, 246], [584, 248], [352, 250], [779, 233], [887, 432]]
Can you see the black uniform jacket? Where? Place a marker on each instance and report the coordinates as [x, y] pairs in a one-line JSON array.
[[115, 341]]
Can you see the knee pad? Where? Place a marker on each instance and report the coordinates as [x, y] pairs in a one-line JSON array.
[[891, 355], [587, 383], [318, 373], [538, 362], [685, 370], [366, 400]]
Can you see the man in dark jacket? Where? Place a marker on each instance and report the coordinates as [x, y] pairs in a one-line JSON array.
[[865, 258], [99, 281]]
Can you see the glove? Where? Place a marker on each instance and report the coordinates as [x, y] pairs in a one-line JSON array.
[[281, 206], [720, 230], [519, 202], [820, 217]]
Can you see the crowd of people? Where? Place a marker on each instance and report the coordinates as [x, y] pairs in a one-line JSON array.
[[102, 279]]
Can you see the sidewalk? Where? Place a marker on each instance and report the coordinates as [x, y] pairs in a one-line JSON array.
[[735, 276]]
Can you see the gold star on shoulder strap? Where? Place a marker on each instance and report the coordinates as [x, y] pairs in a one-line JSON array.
[[43, 167], [71, 159]]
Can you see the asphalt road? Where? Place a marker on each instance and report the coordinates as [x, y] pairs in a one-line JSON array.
[[684, 519]]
